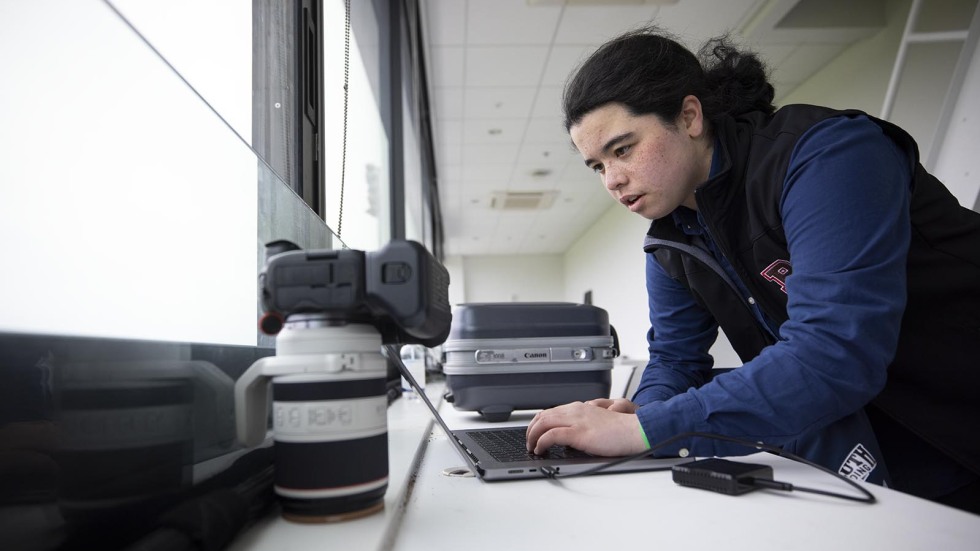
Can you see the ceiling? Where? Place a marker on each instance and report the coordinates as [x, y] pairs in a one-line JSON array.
[[509, 180]]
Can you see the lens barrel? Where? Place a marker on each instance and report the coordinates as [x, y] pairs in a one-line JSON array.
[[330, 429]]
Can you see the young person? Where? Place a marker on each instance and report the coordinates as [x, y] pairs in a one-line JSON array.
[[846, 277]]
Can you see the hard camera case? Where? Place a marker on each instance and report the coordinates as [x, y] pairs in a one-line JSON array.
[[500, 357]]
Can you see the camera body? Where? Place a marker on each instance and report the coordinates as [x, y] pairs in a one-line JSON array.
[[332, 311], [400, 289]]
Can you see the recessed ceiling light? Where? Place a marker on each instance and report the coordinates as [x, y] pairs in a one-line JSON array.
[[522, 200], [541, 172], [495, 131]]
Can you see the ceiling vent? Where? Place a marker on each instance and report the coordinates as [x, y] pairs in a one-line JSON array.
[[522, 200]]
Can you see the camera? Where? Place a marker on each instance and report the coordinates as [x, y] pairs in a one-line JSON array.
[[400, 289], [332, 311]]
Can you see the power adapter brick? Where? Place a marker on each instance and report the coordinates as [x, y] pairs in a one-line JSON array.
[[721, 475]]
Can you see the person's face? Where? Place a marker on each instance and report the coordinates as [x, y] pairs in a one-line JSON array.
[[646, 165]]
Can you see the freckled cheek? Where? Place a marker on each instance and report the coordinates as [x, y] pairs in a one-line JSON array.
[[660, 153], [644, 165], [656, 164]]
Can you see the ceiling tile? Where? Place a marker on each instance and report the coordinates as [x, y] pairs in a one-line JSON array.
[[446, 66], [499, 101], [509, 221], [474, 154], [578, 172], [547, 103], [554, 154], [562, 61], [493, 131], [492, 22], [449, 155], [480, 221], [547, 130], [590, 25], [694, 21], [480, 174], [536, 168], [447, 102], [449, 171], [527, 178], [450, 196], [448, 132], [505, 65], [445, 22]]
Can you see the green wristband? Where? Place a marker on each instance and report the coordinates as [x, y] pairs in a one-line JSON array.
[[644, 435]]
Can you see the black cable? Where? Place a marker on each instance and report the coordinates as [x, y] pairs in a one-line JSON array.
[[787, 487], [867, 496]]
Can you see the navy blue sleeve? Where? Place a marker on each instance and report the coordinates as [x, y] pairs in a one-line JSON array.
[[845, 212], [684, 332]]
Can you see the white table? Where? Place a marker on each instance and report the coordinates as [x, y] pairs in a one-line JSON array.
[[650, 511], [426, 509]]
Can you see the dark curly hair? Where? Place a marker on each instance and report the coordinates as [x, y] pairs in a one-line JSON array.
[[650, 72]]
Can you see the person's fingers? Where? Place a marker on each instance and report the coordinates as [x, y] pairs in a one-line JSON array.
[[622, 405], [601, 402], [534, 429], [547, 419], [591, 429], [555, 436]]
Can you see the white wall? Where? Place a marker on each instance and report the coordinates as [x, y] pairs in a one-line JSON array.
[[457, 279], [858, 77], [509, 278], [927, 71], [609, 261]]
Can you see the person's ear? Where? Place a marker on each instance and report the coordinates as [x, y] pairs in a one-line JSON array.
[[692, 117]]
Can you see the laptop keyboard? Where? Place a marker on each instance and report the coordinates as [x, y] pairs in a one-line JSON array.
[[510, 444]]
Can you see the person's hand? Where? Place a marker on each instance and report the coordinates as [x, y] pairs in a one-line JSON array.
[[622, 405], [590, 428]]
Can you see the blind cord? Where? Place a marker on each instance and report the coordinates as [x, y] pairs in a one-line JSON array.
[[343, 155]]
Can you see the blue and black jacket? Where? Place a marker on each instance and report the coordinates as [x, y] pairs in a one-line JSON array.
[[847, 279]]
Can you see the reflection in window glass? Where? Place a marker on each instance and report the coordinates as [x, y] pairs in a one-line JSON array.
[[415, 207], [362, 220], [127, 210], [209, 44]]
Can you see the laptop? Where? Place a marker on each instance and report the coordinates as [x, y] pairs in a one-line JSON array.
[[501, 454]]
